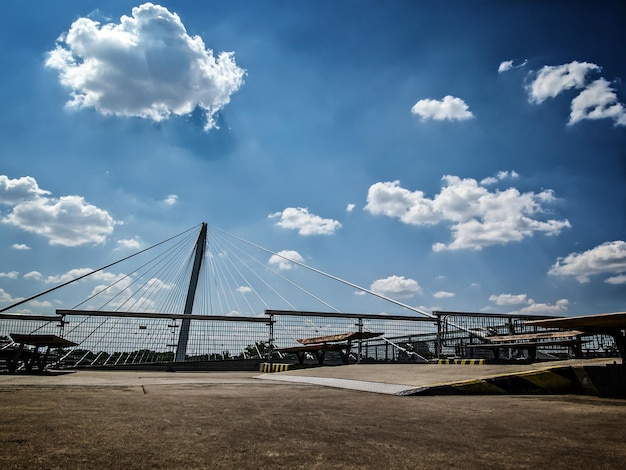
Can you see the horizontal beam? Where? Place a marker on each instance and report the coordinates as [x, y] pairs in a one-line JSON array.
[[26, 316], [440, 313], [370, 316], [164, 316]]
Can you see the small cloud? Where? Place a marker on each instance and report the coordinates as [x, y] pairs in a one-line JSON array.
[[5, 297], [448, 109], [444, 295], [501, 175], [350, 207], [397, 287], [244, 289], [99, 276], [170, 200], [34, 275], [20, 246], [607, 258], [131, 244], [10, 275], [543, 309], [298, 218], [509, 299], [282, 259], [616, 280], [507, 65]]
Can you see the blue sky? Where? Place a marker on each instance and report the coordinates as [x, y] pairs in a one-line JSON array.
[[466, 157]]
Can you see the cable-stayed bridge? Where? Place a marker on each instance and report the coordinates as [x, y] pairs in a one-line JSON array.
[[206, 295], [205, 298]]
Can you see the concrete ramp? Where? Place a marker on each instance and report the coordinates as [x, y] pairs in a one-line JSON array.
[[598, 378]]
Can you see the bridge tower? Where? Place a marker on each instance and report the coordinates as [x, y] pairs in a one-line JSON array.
[[181, 348]]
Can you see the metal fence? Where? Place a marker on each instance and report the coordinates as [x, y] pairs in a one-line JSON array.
[[117, 339], [401, 339]]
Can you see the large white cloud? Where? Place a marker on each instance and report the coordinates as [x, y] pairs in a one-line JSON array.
[[607, 258], [448, 109], [396, 287], [597, 100], [478, 217], [300, 219], [68, 220], [145, 66]]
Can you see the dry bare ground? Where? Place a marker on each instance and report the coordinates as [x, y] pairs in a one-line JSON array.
[[269, 425]]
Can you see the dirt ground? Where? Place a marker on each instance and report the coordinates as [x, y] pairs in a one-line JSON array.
[[275, 425]]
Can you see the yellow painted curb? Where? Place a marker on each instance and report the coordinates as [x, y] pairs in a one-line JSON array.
[[266, 367], [478, 362]]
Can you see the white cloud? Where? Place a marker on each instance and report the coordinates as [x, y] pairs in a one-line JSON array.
[[244, 289], [5, 297], [616, 280], [509, 299], [530, 306], [20, 246], [130, 244], [450, 109], [284, 264], [543, 309], [598, 101], [397, 287], [68, 220], [19, 190], [350, 207], [35, 275], [552, 80], [444, 295], [507, 65], [10, 275], [298, 218], [147, 66], [170, 200], [501, 175], [77, 272], [478, 217], [607, 258]]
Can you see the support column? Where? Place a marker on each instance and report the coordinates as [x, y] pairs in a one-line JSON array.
[[181, 349]]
